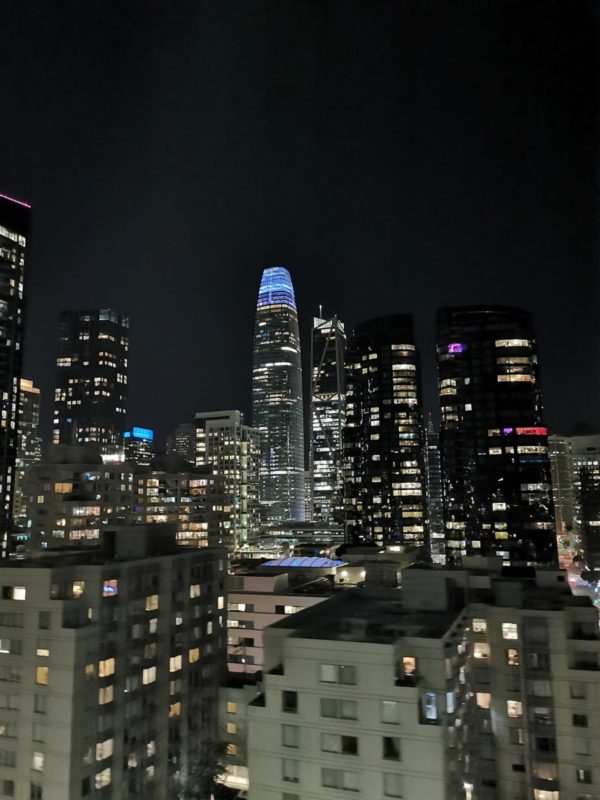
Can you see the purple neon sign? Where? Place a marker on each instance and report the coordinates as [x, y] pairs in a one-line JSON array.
[[456, 347]]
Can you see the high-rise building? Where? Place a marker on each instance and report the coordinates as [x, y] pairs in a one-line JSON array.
[[90, 400], [561, 470], [138, 446], [327, 418], [385, 491], [494, 445], [112, 659], [29, 447], [466, 684], [589, 512], [232, 449], [14, 232], [435, 504], [277, 398], [183, 442]]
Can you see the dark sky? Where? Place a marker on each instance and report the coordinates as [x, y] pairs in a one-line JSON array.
[[395, 156]]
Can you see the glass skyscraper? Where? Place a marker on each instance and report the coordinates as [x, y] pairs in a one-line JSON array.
[[277, 399], [14, 230], [494, 445], [328, 417]]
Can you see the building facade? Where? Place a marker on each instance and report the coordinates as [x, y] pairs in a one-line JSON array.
[[277, 409], [29, 448], [494, 445], [232, 449], [112, 661], [14, 233], [435, 500], [385, 491], [138, 446], [327, 419], [90, 399], [183, 442]]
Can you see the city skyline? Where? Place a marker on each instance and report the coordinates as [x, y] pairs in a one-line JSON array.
[[330, 149]]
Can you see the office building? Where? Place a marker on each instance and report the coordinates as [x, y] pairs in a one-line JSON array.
[[14, 233], [277, 409], [90, 400], [138, 444], [385, 491], [327, 418], [73, 495], [29, 448], [435, 503], [189, 497], [183, 442], [232, 450], [494, 445], [471, 684], [111, 660]]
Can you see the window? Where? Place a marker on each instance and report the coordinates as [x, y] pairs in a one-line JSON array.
[[429, 707], [583, 775], [36, 792], [578, 691], [336, 743], [539, 688], [105, 695], [331, 673], [391, 748], [102, 779], [40, 704], [231, 727], [290, 770], [289, 702], [514, 708], [8, 758], [231, 749], [339, 779], [512, 657], [580, 720], [174, 710], [516, 735], [193, 655], [43, 648], [195, 590], [582, 747], [231, 708], [41, 675], [37, 762], [481, 650], [104, 749], [392, 784], [175, 663], [11, 646], [390, 712], [151, 603], [149, 675], [7, 788], [510, 630], [44, 620], [38, 732], [106, 667], [337, 708], [110, 587], [8, 730], [289, 735], [479, 626], [483, 699]]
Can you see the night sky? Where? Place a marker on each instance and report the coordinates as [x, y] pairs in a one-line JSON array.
[[395, 156]]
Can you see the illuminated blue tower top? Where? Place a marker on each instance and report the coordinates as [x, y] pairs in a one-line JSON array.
[[276, 288]]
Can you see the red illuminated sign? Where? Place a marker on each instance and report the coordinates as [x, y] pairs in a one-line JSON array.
[[532, 431]]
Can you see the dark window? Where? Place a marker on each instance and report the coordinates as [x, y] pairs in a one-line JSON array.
[[391, 748], [289, 702], [580, 720]]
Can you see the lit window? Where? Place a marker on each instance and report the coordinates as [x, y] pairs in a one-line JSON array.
[[102, 779], [231, 749], [510, 630], [41, 675], [37, 762], [174, 710], [175, 663], [479, 626], [105, 695], [110, 588], [390, 711], [149, 675], [151, 602], [19, 593], [104, 749], [481, 650], [106, 667], [483, 699], [195, 590], [194, 655], [231, 727], [333, 673], [514, 708], [512, 657], [220, 602], [231, 708]]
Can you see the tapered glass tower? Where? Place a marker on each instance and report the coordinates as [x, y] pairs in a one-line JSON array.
[[277, 398]]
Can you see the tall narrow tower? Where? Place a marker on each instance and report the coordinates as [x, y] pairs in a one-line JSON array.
[[328, 417], [14, 230], [277, 398]]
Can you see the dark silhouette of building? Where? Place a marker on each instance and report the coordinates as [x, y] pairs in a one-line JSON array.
[[494, 445], [385, 491]]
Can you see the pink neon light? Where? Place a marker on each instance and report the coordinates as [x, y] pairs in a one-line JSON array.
[[13, 200], [532, 431]]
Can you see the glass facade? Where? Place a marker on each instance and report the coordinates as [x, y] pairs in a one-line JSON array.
[[277, 398], [494, 446], [385, 491], [328, 417], [29, 448], [14, 230]]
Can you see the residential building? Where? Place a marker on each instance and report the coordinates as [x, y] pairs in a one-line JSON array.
[[90, 400], [29, 448], [111, 659], [477, 683], [385, 488], [232, 449], [73, 495], [277, 409], [494, 445], [327, 418], [14, 234], [138, 446], [435, 498]]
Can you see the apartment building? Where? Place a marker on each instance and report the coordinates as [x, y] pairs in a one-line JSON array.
[[110, 660]]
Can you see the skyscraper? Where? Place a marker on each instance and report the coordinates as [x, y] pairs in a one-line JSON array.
[[138, 446], [328, 417], [497, 489], [435, 504], [385, 490], [277, 398], [14, 230], [29, 447], [90, 400]]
